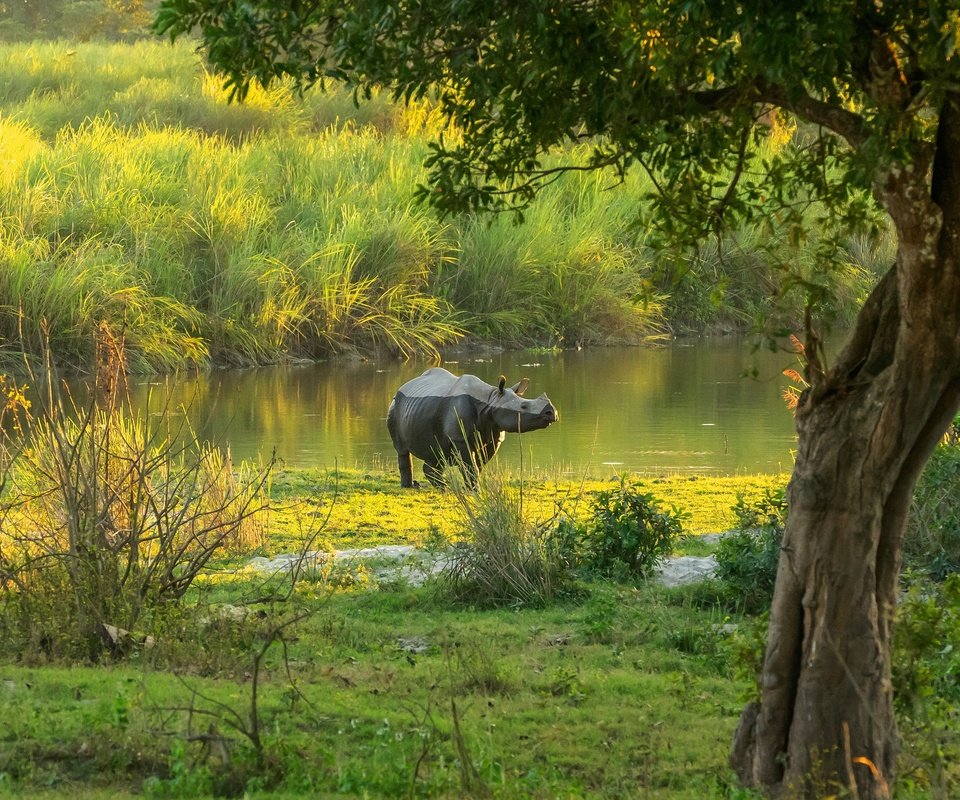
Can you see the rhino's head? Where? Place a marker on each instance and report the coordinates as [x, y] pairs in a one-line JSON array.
[[514, 413]]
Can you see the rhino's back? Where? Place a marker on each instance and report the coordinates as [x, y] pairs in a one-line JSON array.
[[438, 382], [435, 382], [416, 418]]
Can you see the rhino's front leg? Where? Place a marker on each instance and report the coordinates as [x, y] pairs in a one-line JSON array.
[[405, 463], [433, 472], [468, 464]]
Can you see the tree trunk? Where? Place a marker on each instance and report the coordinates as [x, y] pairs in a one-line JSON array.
[[825, 721]]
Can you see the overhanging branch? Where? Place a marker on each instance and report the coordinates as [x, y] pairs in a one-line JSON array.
[[845, 123], [841, 121]]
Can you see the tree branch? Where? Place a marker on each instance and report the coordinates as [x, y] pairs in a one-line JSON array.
[[845, 123]]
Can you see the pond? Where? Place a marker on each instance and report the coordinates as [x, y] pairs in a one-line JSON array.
[[677, 408]]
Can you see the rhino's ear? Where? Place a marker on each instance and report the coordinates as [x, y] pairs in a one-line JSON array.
[[521, 387], [503, 382]]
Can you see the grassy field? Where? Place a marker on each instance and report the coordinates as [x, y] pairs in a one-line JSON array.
[[132, 193], [353, 682], [627, 693], [384, 689]]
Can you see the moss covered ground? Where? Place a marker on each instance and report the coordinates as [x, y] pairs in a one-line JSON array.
[[364, 509]]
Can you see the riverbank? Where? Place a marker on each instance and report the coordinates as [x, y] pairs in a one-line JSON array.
[[218, 234]]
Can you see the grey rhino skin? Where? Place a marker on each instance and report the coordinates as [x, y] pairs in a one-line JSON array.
[[444, 419]]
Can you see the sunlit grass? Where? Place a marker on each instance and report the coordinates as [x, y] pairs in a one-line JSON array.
[[283, 228], [368, 508]]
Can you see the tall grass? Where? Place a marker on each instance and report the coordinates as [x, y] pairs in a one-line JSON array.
[[504, 558], [131, 192]]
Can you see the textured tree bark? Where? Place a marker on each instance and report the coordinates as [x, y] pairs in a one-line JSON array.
[[866, 427]]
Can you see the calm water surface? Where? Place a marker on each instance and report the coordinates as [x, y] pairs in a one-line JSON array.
[[672, 409]]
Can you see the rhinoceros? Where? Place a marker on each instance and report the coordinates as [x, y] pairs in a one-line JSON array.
[[445, 419]]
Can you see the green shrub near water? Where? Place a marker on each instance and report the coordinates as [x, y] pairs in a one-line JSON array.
[[747, 558], [627, 535], [506, 559]]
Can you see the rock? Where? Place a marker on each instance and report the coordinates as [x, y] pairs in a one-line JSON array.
[[413, 645], [726, 629], [403, 562], [681, 570], [396, 562]]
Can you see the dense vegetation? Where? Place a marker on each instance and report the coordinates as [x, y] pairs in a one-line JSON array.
[[145, 657], [76, 20], [133, 193]]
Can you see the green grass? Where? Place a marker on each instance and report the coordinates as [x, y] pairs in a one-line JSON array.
[[613, 691], [547, 708], [386, 690], [132, 192]]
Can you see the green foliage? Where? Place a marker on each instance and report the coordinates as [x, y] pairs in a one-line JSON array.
[[927, 638], [747, 558], [75, 19], [186, 779], [617, 76], [933, 531], [926, 679], [601, 622], [628, 534], [745, 649]]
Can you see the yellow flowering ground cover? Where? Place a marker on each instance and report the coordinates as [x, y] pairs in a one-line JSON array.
[[351, 508]]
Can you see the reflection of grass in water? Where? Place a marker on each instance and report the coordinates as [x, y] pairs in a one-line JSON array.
[[371, 508]]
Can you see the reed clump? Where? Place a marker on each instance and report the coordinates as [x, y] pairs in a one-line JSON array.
[[504, 557], [133, 193]]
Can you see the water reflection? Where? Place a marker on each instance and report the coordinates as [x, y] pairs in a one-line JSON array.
[[679, 408]]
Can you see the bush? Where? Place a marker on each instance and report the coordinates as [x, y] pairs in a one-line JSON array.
[[504, 559], [629, 534], [932, 543], [107, 519], [747, 559], [926, 680]]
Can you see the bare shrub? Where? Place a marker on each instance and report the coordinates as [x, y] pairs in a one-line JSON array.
[[107, 516]]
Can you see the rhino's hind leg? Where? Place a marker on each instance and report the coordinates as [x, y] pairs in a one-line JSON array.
[[405, 462]]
